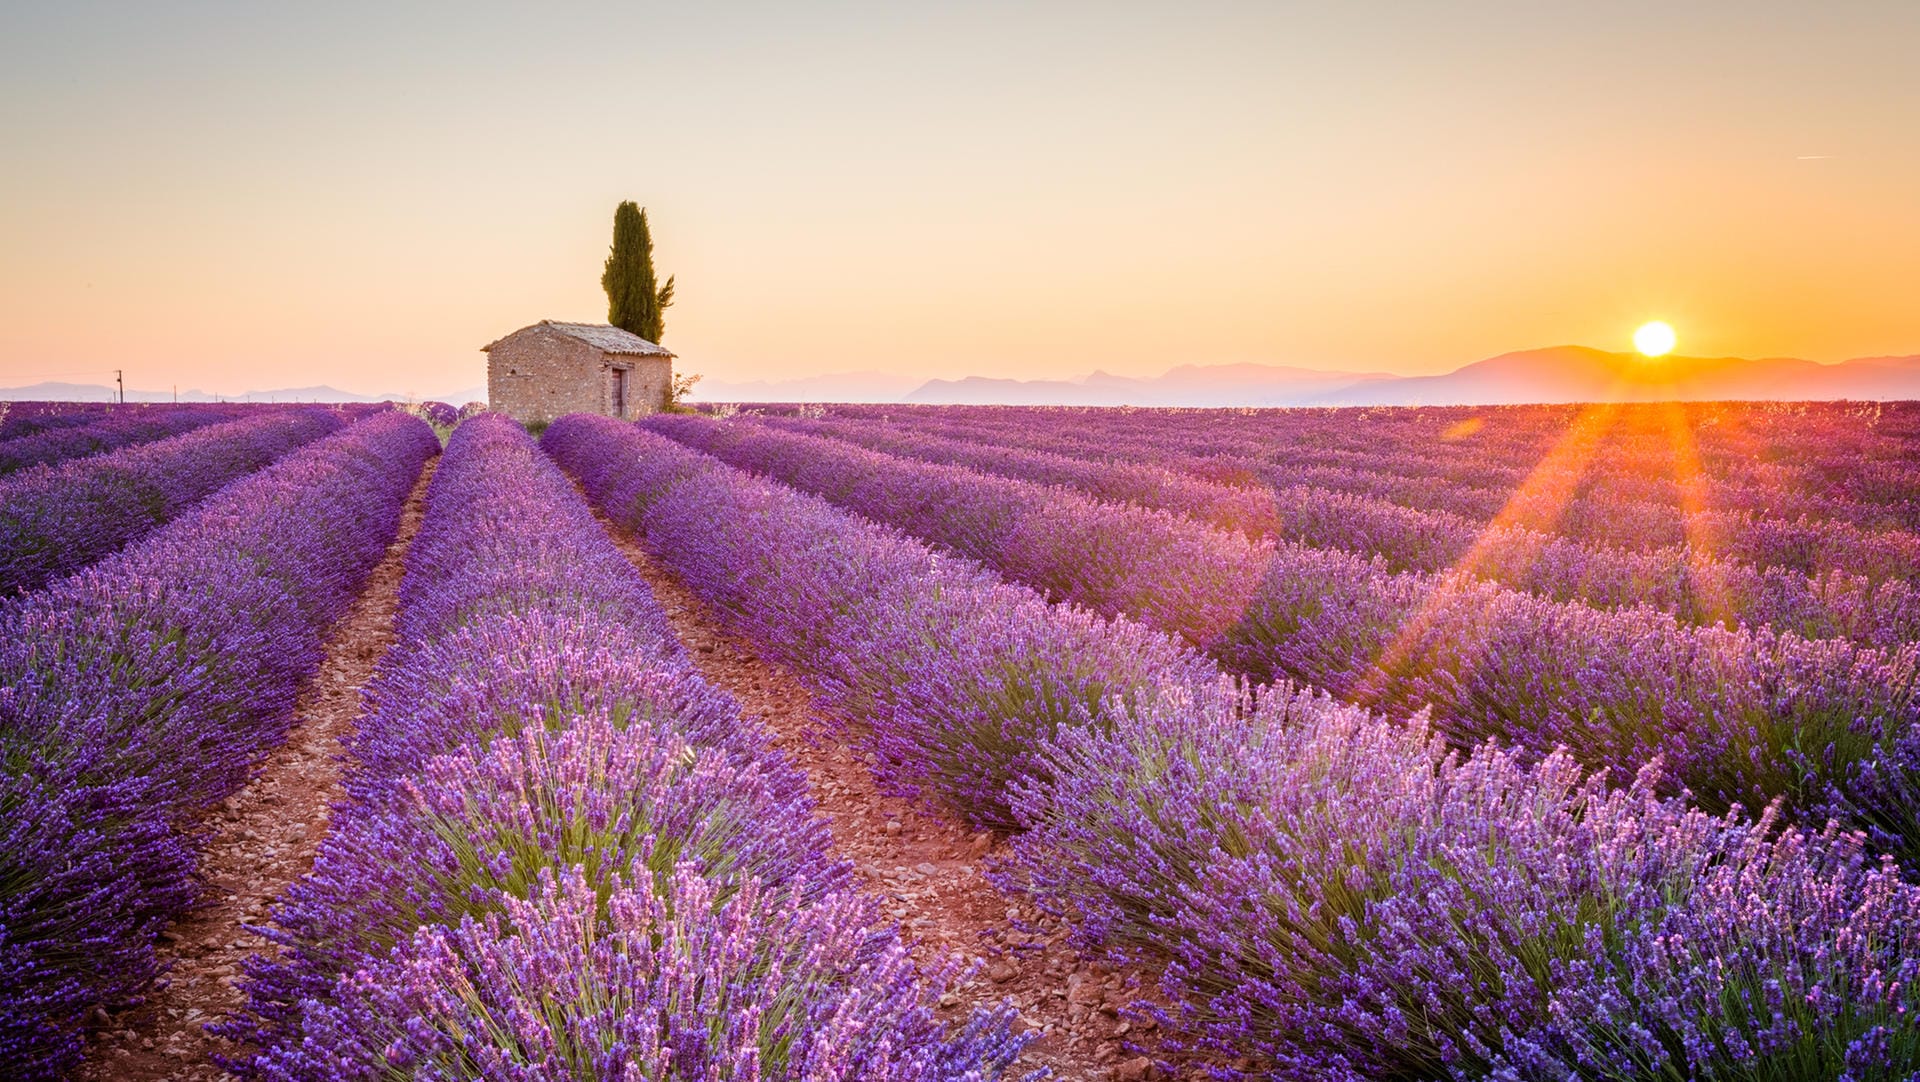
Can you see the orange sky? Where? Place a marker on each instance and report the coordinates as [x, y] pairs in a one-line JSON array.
[[224, 198]]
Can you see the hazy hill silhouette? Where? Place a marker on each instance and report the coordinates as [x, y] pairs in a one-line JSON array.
[[1580, 374], [1555, 374], [1187, 385]]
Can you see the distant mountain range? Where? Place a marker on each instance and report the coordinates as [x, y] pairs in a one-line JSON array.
[[91, 392], [845, 387], [1578, 374], [1187, 385]]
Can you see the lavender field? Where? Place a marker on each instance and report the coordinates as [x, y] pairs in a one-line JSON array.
[[892, 743]]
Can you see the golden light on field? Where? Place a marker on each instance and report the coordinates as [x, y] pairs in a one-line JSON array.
[[1654, 339]]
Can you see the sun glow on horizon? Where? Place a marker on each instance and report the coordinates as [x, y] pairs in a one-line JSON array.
[[1655, 339]]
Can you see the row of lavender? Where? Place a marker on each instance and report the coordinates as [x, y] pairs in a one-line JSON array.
[[111, 431], [1562, 492], [1333, 896], [567, 856], [1738, 716], [58, 519], [1806, 455], [1813, 580], [141, 691], [22, 419], [27, 418], [1593, 480], [1636, 452], [1575, 486]]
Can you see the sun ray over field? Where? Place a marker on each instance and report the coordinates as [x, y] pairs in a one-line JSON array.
[[1690, 485], [1537, 503]]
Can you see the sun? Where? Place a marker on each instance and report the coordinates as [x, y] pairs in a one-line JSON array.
[[1654, 339]]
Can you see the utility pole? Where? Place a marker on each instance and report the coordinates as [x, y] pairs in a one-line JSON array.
[[120, 378]]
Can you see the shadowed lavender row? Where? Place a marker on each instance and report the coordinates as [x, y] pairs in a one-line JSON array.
[[122, 427], [1332, 895], [19, 419], [1739, 716], [58, 519], [143, 690], [565, 854], [1852, 586]]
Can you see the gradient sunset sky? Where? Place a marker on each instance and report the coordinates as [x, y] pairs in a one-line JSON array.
[[248, 196]]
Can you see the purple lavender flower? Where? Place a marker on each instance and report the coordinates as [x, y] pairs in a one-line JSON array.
[[675, 981], [140, 691], [1337, 896]]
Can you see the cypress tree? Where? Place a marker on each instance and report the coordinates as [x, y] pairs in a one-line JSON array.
[[635, 300]]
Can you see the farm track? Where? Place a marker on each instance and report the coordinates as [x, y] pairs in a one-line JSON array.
[[931, 872], [262, 839]]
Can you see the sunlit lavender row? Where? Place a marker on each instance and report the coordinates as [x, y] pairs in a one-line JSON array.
[[1739, 716], [565, 854], [1628, 465], [1819, 580], [138, 693], [1332, 894]]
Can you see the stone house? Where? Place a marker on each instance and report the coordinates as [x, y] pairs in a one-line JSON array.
[[552, 369]]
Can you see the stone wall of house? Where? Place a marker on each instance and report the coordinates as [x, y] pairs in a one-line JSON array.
[[539, 374]]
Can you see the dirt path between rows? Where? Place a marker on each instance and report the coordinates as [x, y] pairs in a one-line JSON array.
[[931, 872], [265, 837]]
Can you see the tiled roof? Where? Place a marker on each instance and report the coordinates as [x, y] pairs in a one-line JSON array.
[[599, 336]]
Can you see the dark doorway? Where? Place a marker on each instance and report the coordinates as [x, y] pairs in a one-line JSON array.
[[620, 392]]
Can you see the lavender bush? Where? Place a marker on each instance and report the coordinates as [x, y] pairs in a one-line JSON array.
[[438, 414], [670, 982], [141, 691], [1338, 897]]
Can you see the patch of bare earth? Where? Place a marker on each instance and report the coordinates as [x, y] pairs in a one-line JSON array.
[[264, 837], [930, 871]]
